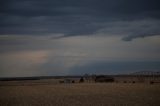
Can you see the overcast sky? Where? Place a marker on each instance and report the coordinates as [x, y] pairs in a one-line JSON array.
[[70, 37]]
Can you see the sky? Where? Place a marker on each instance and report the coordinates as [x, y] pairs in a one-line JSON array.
[[75, 37]]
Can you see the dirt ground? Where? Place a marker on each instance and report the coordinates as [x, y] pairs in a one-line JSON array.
[[84, 94]]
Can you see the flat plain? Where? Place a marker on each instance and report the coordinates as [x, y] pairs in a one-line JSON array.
[[79, 94]]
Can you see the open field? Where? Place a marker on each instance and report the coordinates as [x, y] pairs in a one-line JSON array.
[[84, 94]]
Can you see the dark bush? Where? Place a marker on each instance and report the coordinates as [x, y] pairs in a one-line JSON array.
[[124, 81], [104, 79], [151, 82], [81, 80]]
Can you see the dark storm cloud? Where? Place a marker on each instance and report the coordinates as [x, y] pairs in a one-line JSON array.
[[82, 17]]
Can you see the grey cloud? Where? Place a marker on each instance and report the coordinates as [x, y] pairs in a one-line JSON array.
[[74, 18], [131, 37], [143, 29], [94, 7]]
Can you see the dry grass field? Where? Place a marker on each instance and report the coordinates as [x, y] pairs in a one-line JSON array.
[[84, 94]]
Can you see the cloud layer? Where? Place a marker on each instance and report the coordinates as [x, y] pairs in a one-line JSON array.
[[77, 18]]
